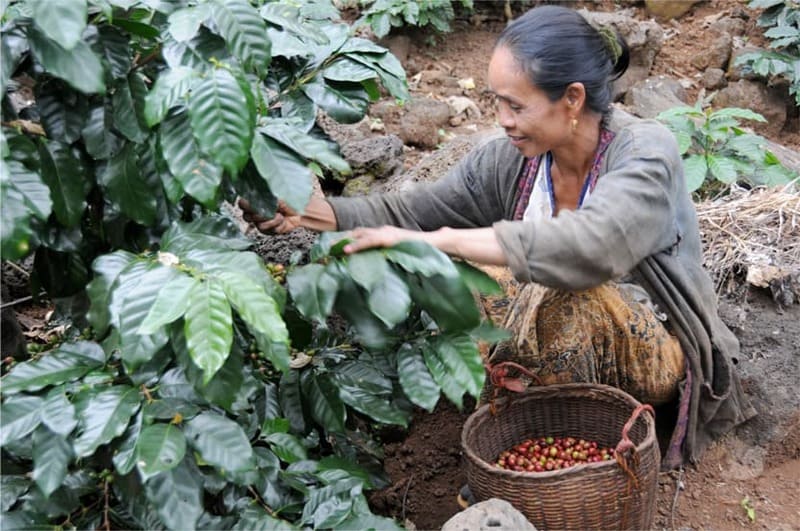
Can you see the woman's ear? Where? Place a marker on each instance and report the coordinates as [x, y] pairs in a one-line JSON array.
[[575, 96]]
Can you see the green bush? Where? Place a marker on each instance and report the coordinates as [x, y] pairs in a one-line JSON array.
[[197, 387], [718, 152], [383, 15], [782, 17]]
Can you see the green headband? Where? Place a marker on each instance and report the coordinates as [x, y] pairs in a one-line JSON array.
[[612, 43]]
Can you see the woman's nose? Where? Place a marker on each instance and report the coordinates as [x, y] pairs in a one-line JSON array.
[[505, 118]]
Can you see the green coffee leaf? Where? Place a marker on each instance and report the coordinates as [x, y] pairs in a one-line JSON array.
[[19, 416], [78, 66], [418, 384], [160, 447], [220, 441], [284, 171], [209, 327], [69, 362], [51, 457], [62, 21], [103, 414]]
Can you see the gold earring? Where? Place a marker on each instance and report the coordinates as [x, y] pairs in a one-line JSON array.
[[574, 124]]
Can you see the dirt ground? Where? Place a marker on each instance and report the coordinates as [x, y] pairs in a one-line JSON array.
[[756, 468]]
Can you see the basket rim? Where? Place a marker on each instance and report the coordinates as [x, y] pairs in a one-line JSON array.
[[570, 390]]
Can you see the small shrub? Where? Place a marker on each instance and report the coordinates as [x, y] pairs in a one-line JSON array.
[[783, 58], [717, 151]]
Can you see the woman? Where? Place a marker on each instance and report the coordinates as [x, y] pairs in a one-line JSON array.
[[597, 224]]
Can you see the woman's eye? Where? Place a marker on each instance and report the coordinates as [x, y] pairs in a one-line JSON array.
[[515, 108]]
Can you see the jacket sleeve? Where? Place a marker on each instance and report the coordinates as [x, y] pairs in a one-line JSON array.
[[472, 194], [630, 215]]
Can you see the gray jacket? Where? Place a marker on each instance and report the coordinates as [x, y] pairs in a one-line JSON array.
[[639, 222]]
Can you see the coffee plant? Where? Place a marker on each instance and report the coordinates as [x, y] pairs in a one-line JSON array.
[[198, 387], [782, 17], [383, 15], [718, 152]]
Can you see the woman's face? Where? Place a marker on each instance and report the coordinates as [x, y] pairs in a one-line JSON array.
[[532, 122]]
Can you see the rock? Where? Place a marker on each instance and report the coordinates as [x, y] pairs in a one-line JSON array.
[[650, 96], [423, 119], [490, 515], [734, 26], [377, 156], [717, 55], [358, 186], [668, 9], [644, 40], [769, 102], [713, 78]]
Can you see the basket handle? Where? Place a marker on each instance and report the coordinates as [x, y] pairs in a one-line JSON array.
[[625, 443], [498, 376]]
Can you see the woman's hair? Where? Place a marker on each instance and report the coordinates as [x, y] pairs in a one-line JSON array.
[[556, 46]]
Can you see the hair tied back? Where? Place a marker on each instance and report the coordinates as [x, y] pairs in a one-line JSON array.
[[612, 42]]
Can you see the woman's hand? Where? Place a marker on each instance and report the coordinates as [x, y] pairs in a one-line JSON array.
[[386, 236], [318, 216]]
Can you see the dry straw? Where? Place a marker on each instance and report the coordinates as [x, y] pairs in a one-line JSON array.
[[754, 233]]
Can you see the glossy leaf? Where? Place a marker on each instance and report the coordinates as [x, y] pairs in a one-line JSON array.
[[222, 119], [254, 518], [135, 348], [324, 402], [19, 416], [103, 415], [64, 175], [177, 496], [63, 112], [722, 168], [220, 441], [124, 184], [306, 145], [208, 232], [389, 299], [245, 32], [106, 270], [291, 400], [61, 21], [168, 91], [198, 174], [462, 359], [284, 171], [346, 69], [11, 488], [124, 458], [313, 290], [696, 169], [113, 47], [184, 23], [126, 118], [419, 257], [451, 389], [51, 457], [160, 447], [58, 413], [200, 54], [170, 304], [352, 304], [346, 103], [378, 408], [98, 135], [78, 66], [256, 307], [287, 447], [68, 362], [208, 327], [418, 384], [477, 280], [447, 300]]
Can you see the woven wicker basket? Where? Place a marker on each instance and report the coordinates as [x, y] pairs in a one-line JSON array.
[[602, 495]]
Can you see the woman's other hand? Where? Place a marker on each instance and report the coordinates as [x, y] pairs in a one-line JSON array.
[[318, 216]]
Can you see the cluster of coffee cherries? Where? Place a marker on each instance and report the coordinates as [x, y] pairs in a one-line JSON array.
[[552, 453]]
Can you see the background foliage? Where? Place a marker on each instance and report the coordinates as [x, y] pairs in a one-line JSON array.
[[198, 387], [782, 17], [717, 151]]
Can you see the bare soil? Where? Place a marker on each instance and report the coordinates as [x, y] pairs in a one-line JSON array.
[[757, 467]]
